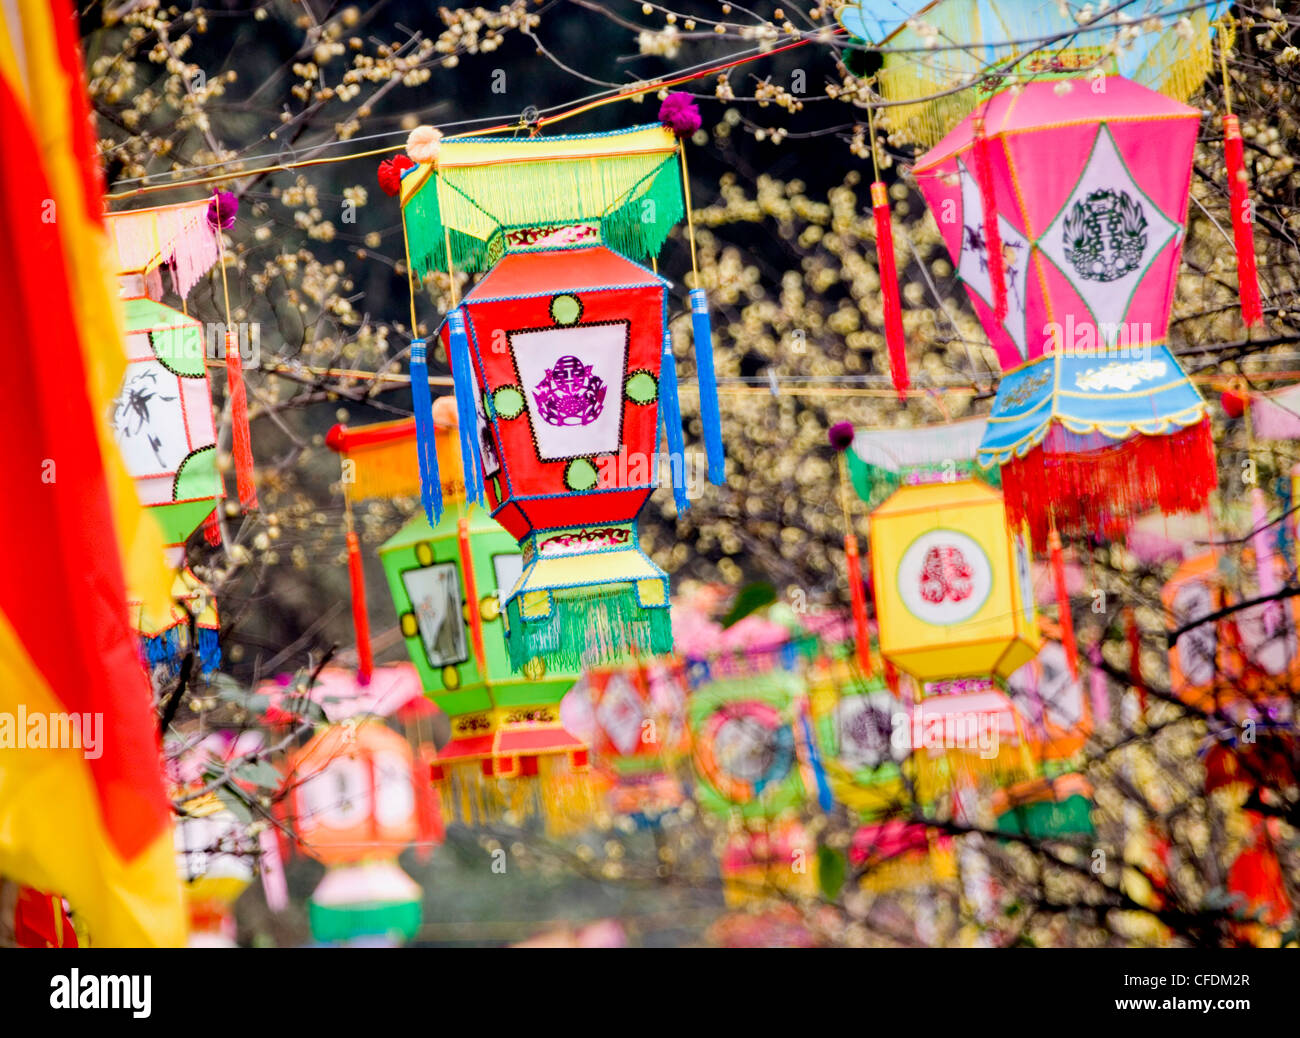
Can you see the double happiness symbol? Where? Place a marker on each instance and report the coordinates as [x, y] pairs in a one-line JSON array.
[[570, 394], [945, 575]]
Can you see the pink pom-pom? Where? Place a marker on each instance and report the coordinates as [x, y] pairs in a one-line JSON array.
[[423, 143], [680, 114], [390, 173], [222, 210], [841, 435]]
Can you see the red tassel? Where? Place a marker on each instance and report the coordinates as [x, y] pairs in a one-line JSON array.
[[360, 618], [894, 337], [240, 438], [1135, 659], [1243, 223], [428, 810], [1063, 603], [891, 680], [471, 595], [992, 235], [1100, 492], [861, 633], [212, 529]]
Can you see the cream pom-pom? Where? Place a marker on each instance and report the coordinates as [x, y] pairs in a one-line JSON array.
[[423, 143]]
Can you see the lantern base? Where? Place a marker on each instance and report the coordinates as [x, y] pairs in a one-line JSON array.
[[369, 899], [555, 788]]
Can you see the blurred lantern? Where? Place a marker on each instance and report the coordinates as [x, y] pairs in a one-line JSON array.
[[1057, 717], [354, 793], [1063, 211], [1270, 762], [771, 861], [509, 753], [896, 855], [935, 64], [379, 461], [634, 719], [855, 723], [952, 583], [191, 625], [1258, 888], [215, 857], [1044, 809], [563, 352]]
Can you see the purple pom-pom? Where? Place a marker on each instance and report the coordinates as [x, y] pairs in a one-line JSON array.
[[841, 435], [222, 210], [680, 114]]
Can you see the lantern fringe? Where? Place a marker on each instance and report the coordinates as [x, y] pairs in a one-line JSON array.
[[426, 445], [1100, 492], [937, 773], [462, 370], [992, 233], [240, 437], [558, 193], [595, 624], [1243, 224], [671, 409], [169, 648], [562, 795], [360, 618], [895, 339], [710, 417]]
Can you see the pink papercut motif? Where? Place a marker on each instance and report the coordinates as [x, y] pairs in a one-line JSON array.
[[945, 575], [570, 394]]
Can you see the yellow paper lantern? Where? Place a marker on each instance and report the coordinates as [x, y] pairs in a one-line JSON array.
[[952, 583]]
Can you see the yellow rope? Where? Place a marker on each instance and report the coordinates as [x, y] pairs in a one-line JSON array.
[[690, 218]]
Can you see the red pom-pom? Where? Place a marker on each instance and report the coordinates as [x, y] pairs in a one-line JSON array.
[[1233, 403], [390, 173]]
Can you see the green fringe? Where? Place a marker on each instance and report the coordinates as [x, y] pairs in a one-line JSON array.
[[874, 484], [636, 199], [588, 625]]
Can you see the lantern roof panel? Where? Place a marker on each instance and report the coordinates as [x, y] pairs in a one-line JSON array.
[[525, 274]]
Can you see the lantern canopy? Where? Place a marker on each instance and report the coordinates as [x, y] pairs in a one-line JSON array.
[[566, 350], [952, 583], [509, 751], [1089, 183]]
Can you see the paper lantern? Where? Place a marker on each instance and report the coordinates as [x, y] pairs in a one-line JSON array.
[[215, 858], [162, 419], [563, 353], [191, 624], [896, 856], [1056, 714], [354, 801], [1045, 809], [509, 753], [960, 739], [634, 719], [1062, 205], [951, 583], [745, 745], [931, 87], [776, 861]]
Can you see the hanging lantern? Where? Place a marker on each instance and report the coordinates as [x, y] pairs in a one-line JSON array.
[[1256, 883], [215, 857], [896, 856], [634, 719], [509, 753], [931, 88], [562, 350], [772, 861], [354, 803], [1050, 700], [1044, 809], [1095, 421], [190, 625], [855, 722], [951, 581]]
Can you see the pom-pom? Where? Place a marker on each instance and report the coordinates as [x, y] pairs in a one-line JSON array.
[[222, 210], [390, 173], [680, 114], [841, 435], [423, 144], [1233, 403]]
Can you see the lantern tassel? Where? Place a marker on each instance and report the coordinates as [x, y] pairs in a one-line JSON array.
[[212, 529], [1063, 603], [1243, 223], [992, 235], [462, 371], [858, 595], [360, 618], [240, 437], [426, 447], [894, 337], [710, 417], [671, 408]]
